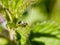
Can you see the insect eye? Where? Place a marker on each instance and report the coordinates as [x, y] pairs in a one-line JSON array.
[[19, 22]]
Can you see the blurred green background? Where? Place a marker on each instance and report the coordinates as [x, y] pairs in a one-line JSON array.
[[30, 22]]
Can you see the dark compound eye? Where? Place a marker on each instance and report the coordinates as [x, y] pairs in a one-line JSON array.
[[19, 22], [22, 23]]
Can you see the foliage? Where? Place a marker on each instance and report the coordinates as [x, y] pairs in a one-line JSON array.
[[30, 22]]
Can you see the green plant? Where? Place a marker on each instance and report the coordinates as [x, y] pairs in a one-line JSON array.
[[29, 22]]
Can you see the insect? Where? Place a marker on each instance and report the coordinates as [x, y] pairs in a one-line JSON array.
[[22, 23]]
